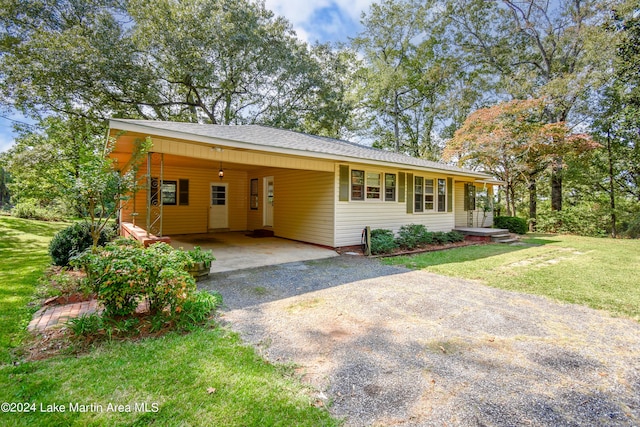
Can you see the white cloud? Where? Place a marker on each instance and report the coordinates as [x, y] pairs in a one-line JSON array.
[[324, 20]]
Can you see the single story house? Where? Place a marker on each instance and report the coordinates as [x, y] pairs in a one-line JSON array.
[[205, 178]]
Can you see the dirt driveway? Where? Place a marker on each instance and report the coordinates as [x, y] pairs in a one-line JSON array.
[[389, 346]]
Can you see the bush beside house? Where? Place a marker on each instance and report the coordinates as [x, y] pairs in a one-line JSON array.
[[410, 237]]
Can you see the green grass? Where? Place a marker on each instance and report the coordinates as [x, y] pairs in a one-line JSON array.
[[177, 374], [597, 272], [23, 256], [204, 378]]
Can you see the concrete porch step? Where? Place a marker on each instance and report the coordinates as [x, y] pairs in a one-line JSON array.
[[505, 240]]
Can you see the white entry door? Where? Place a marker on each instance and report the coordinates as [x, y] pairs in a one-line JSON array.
[[218, 208], [268, 202]]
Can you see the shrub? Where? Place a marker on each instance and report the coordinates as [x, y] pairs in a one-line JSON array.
[[382, 241], [455, 236], [72, 241], [440, 237], [31, 209], [632, 229], [123, 273], [413, 235], [198, 255], [511, 223], [85, 325], [197, 309]]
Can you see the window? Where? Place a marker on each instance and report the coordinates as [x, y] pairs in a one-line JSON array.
[[389, 187], [169, 192], [418, 191], [218, 195], [183, 192], [428, 194], [442, 195], [357, 185], [253, 202], [373, 185]]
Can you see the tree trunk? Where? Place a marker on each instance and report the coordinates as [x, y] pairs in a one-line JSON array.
[[533, 203], [612, 197], [396, 124], [556, 185]]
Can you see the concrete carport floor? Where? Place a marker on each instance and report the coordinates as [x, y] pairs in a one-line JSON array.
[[239, 250]]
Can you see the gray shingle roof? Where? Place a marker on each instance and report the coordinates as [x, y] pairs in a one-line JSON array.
[[266, 138]]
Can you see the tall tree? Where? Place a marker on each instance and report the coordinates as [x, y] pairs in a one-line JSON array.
[[535, 48], [514, 142], [214, 61], [405, 76]]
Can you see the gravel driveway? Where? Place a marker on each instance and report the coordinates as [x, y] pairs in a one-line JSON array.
[[386, 346]]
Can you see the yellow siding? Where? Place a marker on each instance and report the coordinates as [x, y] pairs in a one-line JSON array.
[[194, 218], [478, 218], [353, 216], [303, 204]]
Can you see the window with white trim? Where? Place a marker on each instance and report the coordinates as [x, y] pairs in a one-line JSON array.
[[373, 186], [357, 185], [389, 187], [428, 194]]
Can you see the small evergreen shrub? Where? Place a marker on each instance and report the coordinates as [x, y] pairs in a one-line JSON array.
[[72, 241], [511, 223], [382, 241], [440, 237], [413, 235], [455, 236]]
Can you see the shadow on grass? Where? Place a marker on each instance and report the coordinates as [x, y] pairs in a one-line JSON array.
[[39, 228]]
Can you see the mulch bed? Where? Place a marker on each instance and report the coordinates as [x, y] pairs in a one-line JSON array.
[[357, 250]]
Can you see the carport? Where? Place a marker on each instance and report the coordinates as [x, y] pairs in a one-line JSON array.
[[240, 250]]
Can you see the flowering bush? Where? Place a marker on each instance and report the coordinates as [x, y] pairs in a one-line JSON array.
[[124, 273]]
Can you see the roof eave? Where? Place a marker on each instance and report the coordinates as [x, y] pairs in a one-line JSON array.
[[126, 125]]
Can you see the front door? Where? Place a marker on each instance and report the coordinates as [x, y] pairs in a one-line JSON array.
[[268, 202], [218, 208]]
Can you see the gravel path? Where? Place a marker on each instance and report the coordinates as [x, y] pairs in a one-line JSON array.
[[389, 346]]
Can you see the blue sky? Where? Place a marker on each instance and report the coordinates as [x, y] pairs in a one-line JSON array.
[[313, 20]]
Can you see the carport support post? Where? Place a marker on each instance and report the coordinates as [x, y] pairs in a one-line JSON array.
[[367, 247]]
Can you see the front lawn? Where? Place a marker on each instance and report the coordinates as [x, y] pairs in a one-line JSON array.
[[23, 256], [597, 272], [204, 378]]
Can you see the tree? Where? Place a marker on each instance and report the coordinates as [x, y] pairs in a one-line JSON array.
[[103, 188], [212, 61], [616, 170], [533, 49], [45, 160], [513, 141], [406, 74]]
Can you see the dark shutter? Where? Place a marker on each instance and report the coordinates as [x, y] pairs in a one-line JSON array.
[[344, 183], [449, 194], [183, 199], [401, 187], [409, 193]]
